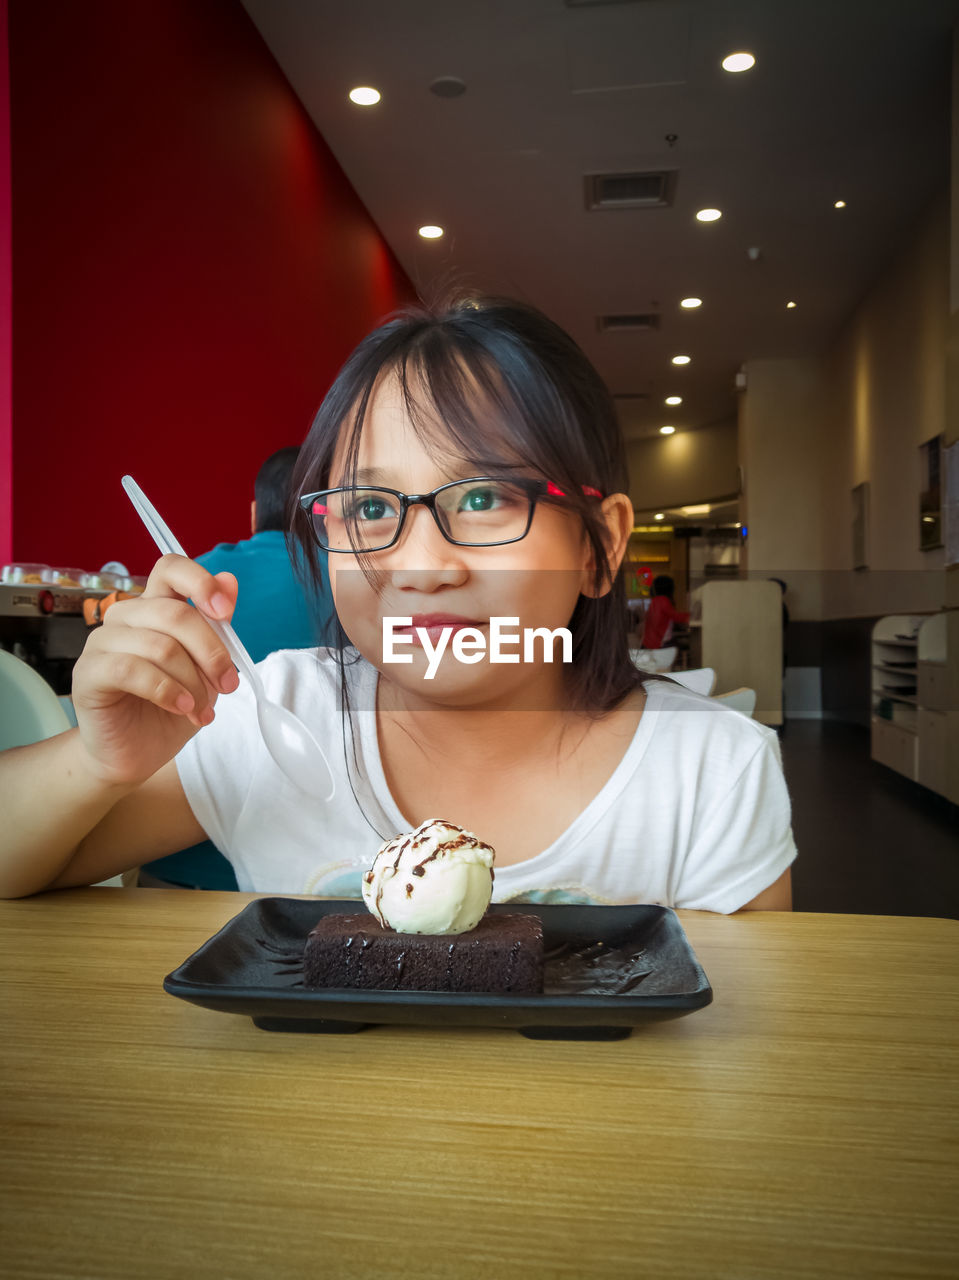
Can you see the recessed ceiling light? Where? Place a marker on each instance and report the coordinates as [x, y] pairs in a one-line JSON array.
[[365, 96], [681, 359], [709, 215], [674, 400], [691, 303], [790, 306], [840, 204], [659, 516], [666, 431], [448, 87], [431, 232], [741, 61]]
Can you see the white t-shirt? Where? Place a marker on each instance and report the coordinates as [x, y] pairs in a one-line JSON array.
[[696, 814]]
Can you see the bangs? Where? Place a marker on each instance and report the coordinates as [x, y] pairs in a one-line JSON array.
[[475, 410]]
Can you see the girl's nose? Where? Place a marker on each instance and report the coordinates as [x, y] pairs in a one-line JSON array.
[[423, 558]]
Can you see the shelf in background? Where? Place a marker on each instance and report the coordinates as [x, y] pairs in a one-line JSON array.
[[917, 687]]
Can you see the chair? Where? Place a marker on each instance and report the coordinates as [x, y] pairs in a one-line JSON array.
[[700, 679], [743, 700], [29, 709], [657, 660]]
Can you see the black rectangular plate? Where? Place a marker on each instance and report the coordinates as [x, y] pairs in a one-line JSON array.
[[608, 969]]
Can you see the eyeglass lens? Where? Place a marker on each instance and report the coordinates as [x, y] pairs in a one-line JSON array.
[[474, 512]]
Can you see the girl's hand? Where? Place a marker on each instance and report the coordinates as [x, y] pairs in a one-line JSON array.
[[149, 677]]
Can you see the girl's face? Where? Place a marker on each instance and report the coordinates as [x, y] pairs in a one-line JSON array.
[[537, 579]]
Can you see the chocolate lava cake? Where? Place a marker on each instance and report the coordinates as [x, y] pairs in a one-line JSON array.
[[503, 954]]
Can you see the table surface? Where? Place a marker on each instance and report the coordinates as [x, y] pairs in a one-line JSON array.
[[804, 1124]]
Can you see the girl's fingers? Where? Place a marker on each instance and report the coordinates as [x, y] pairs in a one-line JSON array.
[[174, 620], [131, 673], [177, 576], [165, 654]]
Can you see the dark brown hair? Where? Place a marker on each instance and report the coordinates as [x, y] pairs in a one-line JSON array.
[[271, 487], [510, 388]]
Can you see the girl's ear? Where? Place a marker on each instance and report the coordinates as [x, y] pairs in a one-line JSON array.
[[617, 512]]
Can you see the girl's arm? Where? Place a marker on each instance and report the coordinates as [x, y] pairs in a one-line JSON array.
[[78, 829], [776, 897], [106, 796], [743, 847]]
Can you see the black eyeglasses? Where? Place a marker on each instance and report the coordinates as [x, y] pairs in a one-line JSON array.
[[480, 512]]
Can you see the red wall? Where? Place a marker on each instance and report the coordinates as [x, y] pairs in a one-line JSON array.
[[6, 436], [191, 267]]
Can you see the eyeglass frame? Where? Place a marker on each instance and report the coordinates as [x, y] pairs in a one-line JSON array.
[[535, 489]]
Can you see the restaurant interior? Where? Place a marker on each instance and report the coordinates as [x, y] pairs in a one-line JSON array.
[[745, 213]]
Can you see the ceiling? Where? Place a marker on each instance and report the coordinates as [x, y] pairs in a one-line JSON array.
[[849, 99]]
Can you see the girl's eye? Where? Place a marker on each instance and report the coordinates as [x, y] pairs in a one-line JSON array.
[[373, 507], [483, 498]]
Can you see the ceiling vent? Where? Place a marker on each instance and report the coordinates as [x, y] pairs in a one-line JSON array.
[[630, 190], [627, 324]]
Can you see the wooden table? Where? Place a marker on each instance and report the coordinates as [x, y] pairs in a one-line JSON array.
[[804, 1125]]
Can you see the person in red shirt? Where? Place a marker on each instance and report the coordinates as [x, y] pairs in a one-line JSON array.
[[661, 614]]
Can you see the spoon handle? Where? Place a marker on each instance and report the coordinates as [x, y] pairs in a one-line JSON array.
[[162, 535]]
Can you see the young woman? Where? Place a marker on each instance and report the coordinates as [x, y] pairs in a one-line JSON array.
[[465, 468]]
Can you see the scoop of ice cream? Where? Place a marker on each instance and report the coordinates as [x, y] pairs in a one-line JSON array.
[[436, 879]]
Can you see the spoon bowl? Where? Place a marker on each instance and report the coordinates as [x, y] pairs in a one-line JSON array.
[[288, 740]]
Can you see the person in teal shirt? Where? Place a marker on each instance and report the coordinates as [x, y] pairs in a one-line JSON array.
[[273, 611]]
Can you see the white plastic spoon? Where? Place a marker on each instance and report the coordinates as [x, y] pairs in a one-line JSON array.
[[287, 739]]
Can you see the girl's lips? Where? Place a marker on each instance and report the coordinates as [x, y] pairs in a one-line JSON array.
[[435, 623]]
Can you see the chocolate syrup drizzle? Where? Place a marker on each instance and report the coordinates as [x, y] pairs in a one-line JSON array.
[[287, 962], [461, 841]]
